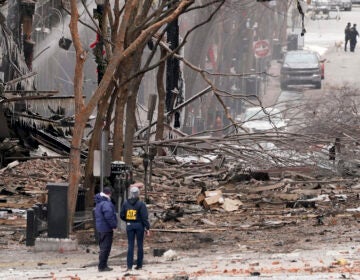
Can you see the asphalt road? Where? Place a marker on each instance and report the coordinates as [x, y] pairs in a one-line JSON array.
[[341, 68]]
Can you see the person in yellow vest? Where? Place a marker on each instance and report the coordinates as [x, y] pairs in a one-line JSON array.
[[134, 212]]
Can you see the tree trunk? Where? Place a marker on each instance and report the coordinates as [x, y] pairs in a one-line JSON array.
[[130, 127], [133, 85], [118, 139], [161, 103], [80, 118]]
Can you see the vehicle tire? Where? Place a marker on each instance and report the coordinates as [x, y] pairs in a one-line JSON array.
[[318, 85], [283, 86]]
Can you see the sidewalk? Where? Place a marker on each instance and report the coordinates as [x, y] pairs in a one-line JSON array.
[[240, 261]]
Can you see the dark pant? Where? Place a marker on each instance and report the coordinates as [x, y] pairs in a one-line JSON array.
[[105, 242], [352, 45], [135, 230], [346, 42]]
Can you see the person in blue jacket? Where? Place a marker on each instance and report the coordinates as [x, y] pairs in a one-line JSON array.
[[106, 222], [134, 212]]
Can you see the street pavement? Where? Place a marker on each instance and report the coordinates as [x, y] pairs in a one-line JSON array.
[[340, 261]]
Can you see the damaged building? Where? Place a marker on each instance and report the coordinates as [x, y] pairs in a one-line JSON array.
[[36, 100]]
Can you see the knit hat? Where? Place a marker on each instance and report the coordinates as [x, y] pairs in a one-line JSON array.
[[107, 190], [134, 192]]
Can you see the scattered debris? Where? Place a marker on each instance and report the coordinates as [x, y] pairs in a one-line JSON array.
[[170, 255]]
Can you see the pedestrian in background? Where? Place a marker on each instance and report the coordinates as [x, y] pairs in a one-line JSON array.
[[353, 37], [134, 212], [347, 35], [106, 222]]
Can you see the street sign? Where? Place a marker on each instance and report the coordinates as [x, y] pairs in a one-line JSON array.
[[261, 48]]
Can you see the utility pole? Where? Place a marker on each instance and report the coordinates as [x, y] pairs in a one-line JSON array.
[[99, 46], [173, 69], [101, 65]]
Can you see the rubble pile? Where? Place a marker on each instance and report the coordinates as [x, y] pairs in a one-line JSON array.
[[22, 184], [197, 205]]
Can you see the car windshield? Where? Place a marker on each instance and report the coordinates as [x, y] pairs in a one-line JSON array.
[[301, 58]]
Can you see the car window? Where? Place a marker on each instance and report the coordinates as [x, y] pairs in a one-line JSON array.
[[301, 58], [321, 2]]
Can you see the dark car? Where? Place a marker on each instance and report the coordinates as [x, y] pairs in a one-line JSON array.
[[300, 67]]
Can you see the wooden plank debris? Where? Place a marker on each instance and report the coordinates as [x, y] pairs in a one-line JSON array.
[[267, 188]]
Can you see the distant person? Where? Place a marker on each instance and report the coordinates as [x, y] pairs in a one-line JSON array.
[[332, 153], [347, 35], [337, 145], [353, 37], [135, 214], [106, 222]]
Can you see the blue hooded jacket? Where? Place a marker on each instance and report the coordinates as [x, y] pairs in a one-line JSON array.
[[105, 213], [134, 210]]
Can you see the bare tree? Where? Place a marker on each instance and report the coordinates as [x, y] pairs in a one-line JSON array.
[[133, 27]]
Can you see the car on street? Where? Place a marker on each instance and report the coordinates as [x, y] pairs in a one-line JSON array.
[[319, 7], [344, 5], [301, 67], [261, 119]]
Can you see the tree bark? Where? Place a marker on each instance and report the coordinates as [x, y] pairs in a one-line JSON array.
[[117, 152], [161, 103], [80, 118]]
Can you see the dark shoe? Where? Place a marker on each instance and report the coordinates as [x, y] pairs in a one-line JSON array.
[[138, 267], [105, 269]]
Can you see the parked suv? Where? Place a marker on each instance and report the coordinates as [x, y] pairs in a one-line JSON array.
[[300, 67]]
